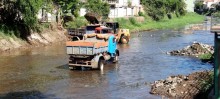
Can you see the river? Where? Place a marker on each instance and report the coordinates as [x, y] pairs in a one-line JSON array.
[[43, 72]]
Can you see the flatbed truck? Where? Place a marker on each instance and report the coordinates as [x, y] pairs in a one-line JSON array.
[[92, 52]]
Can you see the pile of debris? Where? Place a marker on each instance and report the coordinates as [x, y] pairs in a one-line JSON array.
[[195, 49], [181, 86]]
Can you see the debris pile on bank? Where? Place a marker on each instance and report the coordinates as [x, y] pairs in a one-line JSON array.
[[181, 86], [195, 49]]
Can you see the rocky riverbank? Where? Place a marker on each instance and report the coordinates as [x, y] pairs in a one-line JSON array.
[[181, 86], [189, 86], [195, 50]]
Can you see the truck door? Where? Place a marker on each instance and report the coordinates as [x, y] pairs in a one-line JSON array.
[[112, 45]]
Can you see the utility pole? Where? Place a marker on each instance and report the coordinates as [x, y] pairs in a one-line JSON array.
[[215, 28]]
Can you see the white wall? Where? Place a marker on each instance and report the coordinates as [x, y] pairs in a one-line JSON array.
[[190, 5], [129, 11], [135, 2], [121, 9], [122, 2], [82, 11]]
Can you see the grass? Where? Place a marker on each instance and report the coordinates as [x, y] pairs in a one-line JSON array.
[[205, 56], [149, 24], [7, 34]]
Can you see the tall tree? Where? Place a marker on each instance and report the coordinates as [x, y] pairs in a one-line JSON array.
[[69, 6], [98, 7], [157, 9], [20, 16]]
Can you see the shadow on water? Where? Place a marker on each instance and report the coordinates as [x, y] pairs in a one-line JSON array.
[[108, 66], [24, 95], [65, 66]]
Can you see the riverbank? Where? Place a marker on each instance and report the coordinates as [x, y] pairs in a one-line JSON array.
[[149, 24], [194, 85], [9, 43], [47, 37]]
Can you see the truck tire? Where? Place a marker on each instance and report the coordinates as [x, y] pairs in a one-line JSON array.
[[101, 64], [124, 39]]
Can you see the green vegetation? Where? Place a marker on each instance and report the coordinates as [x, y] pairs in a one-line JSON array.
[[206, 86], [205, 56], [158, 9], [99, 8], [18, 17], [165, 23], [69, 6], [77, 23]]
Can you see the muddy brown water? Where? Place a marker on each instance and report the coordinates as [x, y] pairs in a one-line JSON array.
[[43, 72]]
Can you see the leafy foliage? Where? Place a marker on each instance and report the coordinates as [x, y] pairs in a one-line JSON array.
[[99, 8], [198, 5], [157, 9], [76, 23], [19, 16], [70, 6]]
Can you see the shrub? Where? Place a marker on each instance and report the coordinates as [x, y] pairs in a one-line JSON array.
[[76, 23], [140, 13], [132, 21]]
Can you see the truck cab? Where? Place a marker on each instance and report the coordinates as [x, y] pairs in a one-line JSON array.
[[103, 30]]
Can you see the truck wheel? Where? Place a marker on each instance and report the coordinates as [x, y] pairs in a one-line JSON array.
[[124, 39], [101, 64]]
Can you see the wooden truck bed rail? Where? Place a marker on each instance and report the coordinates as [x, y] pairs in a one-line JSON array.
[[86, 48]]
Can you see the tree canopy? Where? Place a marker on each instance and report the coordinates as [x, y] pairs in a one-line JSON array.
[[20, 16], [99, 8], [157, 9], [69, 6]]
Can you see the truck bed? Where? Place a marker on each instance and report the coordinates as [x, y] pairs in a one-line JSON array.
[[86, 47]]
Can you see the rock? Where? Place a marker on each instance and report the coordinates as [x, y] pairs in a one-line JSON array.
[[159, 84], [184, 85], [193, 50], [173, 94], [179, 86], [173, 86], [186, 78], [169, 90]]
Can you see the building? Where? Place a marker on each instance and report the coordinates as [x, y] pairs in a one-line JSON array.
[[209, 3], [120, 8], [44, 16], [190, 4], [123, 8]]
